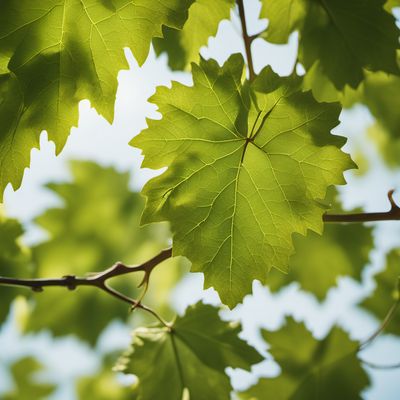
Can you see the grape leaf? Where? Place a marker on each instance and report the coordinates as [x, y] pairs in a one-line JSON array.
[[391, 4], [54, 53], [246, 164], [97, 226], [183, 46], [192, 356], [26, 387], [324, 90], [103, 386], [380, 93], [387, 146], [386, 293], [311, 369], [342, 37], [14, 261], [342, 250]]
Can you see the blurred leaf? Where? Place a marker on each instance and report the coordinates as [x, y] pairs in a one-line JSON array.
[[391, 4], [381, 93], [97, 226], [330, 35], [14, 261], [26, 386], [342, 250], [386, 293], [325, 369], [183, 45], [55, 53], [104, 385], [324, 90], [192, 356], [388, 147]]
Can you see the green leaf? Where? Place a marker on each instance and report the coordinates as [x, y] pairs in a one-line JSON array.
[[380, 93], [386, 293], [387, 145], [54, 53], [192, 355], [342, 250], [104, 385], [324, 90], [97, 226], [14, 261], [342, 37], [26, 386], [391, 4], [183, 46], [311, 369], [246, 164]]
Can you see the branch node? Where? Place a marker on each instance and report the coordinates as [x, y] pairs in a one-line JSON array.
[[71, 281], [98, 280], [393, 204]]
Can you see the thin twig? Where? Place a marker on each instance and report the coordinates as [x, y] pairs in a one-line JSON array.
[[386, 320], [378, 366], [99, 280], [381, 327], [247, 39], [392, 215]]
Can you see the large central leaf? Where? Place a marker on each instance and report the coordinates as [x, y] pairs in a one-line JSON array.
[[54, 53], [246, 166]]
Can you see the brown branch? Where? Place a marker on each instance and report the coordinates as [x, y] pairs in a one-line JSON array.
[[392, 215], [247, 39], [99, 280]]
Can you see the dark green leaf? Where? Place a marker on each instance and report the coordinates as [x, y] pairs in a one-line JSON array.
[[341, 38], [311, 369], [192, 356]]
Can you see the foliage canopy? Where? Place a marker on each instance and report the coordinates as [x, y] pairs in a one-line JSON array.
[[250, 163]]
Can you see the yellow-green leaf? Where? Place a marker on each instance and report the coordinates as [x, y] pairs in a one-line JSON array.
[[246, 166], [54, 53]]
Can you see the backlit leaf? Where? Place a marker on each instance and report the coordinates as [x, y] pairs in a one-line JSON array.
[[246, 166], [340, 37], [54, 53], [183, 45], [192, 356]]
